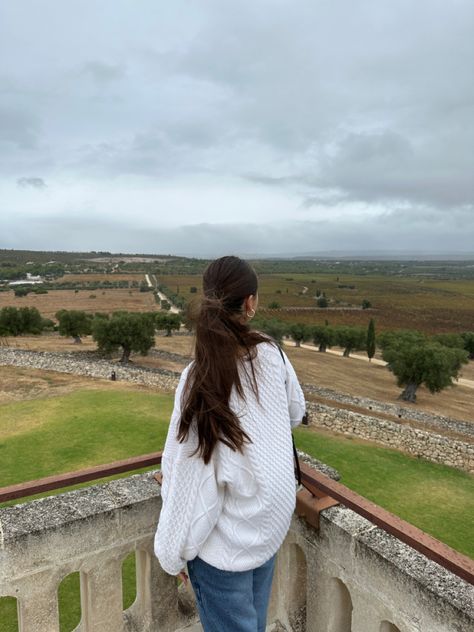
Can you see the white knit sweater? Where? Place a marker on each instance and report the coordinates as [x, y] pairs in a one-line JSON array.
[[235, 511]]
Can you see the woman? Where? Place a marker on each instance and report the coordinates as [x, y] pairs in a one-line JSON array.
[[228, 487]]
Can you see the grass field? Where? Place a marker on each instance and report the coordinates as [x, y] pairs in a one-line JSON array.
[[86, 427], [83, 428], [89, 427]]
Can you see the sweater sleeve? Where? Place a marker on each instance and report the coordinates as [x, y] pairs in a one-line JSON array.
[[294, 393], [191, 497]]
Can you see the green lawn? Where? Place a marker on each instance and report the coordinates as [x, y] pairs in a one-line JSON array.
[[60, 434], [435, 498]]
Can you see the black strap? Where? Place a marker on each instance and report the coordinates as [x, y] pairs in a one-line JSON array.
[[297, 468]]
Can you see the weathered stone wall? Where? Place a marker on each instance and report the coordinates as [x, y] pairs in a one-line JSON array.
[[348, 576], [421, 443], [396, 410], [360, 579], [90, 365]]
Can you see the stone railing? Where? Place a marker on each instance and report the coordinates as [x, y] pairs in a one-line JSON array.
[[347, 576]]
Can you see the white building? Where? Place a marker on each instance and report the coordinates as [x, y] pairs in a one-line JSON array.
[[31, 279]]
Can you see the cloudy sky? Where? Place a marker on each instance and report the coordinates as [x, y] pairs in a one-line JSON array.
[[276, 126]]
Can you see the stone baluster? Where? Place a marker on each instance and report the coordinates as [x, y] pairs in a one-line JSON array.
[[157, 595], [101, 595], [38, 603], [365, 616]]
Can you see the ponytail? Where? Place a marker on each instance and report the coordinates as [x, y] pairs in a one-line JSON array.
[[222, 339]]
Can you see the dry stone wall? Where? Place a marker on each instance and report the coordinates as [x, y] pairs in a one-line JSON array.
[[396, 410], [90, 365], [420, 443]]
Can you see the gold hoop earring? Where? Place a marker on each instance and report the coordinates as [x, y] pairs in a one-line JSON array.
[[251, 315]]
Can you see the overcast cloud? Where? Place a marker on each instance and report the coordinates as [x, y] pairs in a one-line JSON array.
[[253, 127]]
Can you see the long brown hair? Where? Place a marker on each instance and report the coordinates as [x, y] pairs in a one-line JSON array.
[[222, 339]]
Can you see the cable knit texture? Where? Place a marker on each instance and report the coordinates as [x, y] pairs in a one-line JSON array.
[[235, 511]]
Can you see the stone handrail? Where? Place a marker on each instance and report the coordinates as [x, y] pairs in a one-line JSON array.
[[348, 575]]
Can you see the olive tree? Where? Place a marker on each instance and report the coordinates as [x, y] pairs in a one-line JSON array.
[[427, 362], [168, 322], [322, 336], [468, 338], [74, 323], [454, 341], [350, 338], [25, 320], [273, 327], [299, 332], [125, 330]]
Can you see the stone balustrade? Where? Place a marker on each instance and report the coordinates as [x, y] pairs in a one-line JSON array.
[[348, 576]]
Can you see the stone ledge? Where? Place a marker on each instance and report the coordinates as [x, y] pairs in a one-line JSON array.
[[388, 550], [424, 572], [53, 512]]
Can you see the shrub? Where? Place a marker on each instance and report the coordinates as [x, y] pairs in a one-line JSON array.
[[21, 291]]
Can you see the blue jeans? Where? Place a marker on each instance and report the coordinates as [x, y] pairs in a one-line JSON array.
[[231, 601]]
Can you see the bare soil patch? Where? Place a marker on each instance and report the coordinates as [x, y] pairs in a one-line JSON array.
[[106, 301], [359, 378], [21, 384], [85, 278], [50, 342], [467, 371], [175, 344], [362, 379]]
